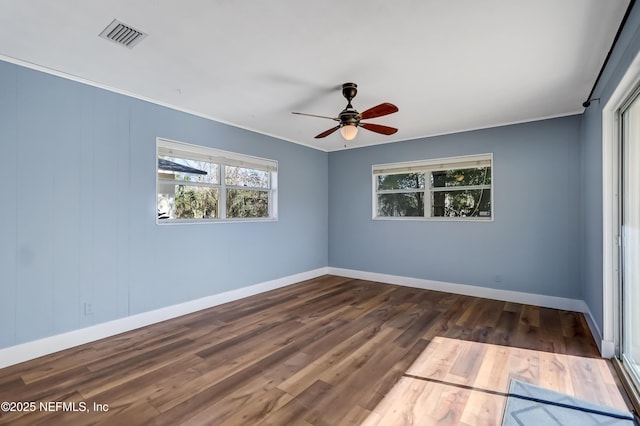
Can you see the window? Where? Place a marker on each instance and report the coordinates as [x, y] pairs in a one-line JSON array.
[[199, 184], [450, 188]]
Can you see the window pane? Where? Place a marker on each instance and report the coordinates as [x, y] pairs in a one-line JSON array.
[[247, 203], [188, 170], [401, 181], [239, 176], [630, 343], [398, 205], [465, 203], [461, 177], [187, 202]]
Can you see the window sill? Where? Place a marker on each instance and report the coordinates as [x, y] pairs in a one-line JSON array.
[[435, 219], [166, 222]]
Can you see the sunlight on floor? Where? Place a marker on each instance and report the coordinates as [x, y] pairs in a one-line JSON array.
[[464, 382]]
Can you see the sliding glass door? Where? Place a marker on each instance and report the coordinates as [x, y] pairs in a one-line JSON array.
[[630, 238]]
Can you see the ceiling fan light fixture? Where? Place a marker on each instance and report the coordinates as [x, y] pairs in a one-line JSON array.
[[349, 131]]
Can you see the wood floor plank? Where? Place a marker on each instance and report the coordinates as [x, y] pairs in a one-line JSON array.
[[506, 328], [491, 375], [388, 379], [300, 406], [468, 362], [326, 351], [482, 409], [554, 372]]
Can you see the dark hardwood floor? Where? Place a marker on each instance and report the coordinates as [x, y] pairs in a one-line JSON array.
[[328, 351]]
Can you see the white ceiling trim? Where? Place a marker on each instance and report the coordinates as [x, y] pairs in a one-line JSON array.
[[350, 145]]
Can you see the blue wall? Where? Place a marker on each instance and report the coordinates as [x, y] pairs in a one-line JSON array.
[[626, 49], [77, 216], [533, 243]]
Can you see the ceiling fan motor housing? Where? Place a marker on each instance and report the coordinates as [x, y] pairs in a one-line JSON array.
[[349, 116], [349, 90]]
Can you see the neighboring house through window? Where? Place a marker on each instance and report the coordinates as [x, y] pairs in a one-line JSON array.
[[200, 184]]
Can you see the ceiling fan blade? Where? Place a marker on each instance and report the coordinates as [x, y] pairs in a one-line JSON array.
[[385, 130], [379, 110], [317, 116], [327, 132]]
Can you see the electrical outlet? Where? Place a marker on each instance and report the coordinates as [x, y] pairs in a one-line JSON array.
[[498, 278], [88, 308]]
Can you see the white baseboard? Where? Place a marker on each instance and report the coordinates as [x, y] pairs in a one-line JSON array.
[[563, 303], [37, 348], [606, 347]]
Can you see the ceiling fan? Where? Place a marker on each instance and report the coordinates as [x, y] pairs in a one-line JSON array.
[[349, 118]]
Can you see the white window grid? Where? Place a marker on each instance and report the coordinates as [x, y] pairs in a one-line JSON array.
[[427, 167], [167, 148]]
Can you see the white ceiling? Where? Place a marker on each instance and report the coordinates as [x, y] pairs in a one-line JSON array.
[[449, 66]]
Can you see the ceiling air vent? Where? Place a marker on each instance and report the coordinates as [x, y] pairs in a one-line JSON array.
[[122, 34]]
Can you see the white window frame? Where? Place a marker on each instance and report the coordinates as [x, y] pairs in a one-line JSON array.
[[428, 166], [221, 158]]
